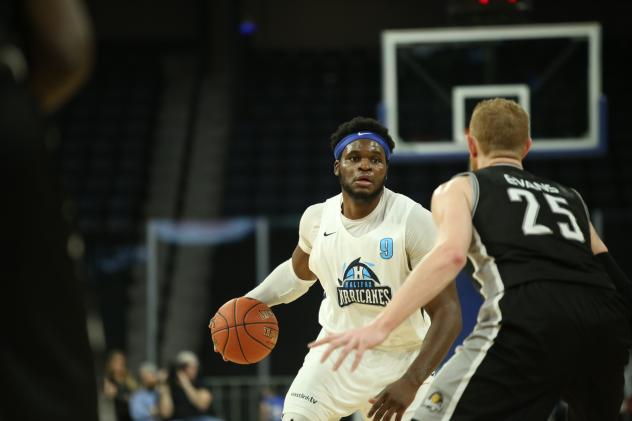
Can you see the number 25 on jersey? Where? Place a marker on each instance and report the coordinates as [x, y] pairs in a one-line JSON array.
[[569, 230]]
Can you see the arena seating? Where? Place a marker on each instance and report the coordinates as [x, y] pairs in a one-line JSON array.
[[106, 134], [290, 102]]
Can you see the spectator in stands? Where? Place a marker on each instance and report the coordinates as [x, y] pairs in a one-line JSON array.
[[118, 384], [46, 364], [191, 401], [271, 406], [152, 402]]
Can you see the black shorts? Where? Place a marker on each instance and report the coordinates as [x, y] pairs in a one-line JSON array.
[[533, 345]]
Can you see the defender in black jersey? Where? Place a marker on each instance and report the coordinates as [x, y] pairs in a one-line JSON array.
[[46, 364], [555, 323]]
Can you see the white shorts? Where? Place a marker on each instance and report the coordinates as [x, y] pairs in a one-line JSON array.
[[321, 394]]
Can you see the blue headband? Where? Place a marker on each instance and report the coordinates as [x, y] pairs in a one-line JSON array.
[[361, 135]]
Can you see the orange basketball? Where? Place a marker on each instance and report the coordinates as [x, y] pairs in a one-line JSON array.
[[244, 330]]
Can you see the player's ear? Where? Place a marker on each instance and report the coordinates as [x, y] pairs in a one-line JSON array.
[[527, 147], [472, 147], [337, 167]]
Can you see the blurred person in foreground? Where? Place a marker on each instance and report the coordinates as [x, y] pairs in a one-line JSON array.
[[191, 401], [152, 402], [555, 323], [46, 365]]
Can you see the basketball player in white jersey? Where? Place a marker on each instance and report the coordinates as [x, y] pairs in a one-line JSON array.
[[361, 244]]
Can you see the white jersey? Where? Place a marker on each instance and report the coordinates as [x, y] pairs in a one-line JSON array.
[[361, 264]]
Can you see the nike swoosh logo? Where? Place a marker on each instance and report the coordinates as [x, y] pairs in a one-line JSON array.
[[327, 234]]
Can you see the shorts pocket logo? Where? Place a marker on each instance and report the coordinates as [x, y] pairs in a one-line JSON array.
[[434, 402]]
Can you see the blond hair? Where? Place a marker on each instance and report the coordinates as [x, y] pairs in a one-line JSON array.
[[500, 125], [186, 358]]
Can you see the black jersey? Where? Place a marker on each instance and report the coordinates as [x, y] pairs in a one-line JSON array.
[[532, 229]]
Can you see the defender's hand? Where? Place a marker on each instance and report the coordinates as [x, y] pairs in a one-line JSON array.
[[356, 339]]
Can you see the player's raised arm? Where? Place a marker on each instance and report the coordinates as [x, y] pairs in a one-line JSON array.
[[292, 278], [451, 209]]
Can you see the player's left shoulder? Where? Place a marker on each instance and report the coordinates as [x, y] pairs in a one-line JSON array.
[[455, 191], [458, 184]]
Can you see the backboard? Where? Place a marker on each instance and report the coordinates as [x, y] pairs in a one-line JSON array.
[[433, 78]]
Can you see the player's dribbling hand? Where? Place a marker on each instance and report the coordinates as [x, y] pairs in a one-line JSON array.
[[393, 400], [358, 340]]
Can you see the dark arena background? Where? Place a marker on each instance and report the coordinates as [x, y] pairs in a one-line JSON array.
[[203, 134]]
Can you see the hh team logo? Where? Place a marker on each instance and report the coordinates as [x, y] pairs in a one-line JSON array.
[[361, 285], [434, 402]]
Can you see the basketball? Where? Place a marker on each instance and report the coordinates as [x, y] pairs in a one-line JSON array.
[[244, 330]]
